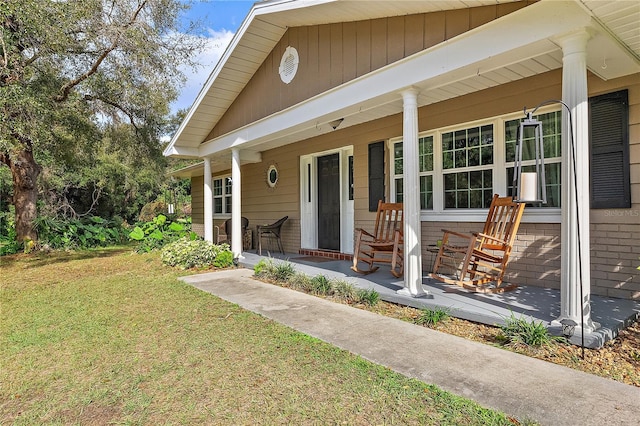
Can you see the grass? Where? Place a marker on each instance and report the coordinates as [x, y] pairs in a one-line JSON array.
[[111, 337]]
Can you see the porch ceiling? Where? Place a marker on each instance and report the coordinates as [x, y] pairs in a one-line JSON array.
[[614, 26]]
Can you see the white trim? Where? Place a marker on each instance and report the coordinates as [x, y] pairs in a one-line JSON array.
[[500, 184], [456, 60], [309, 200]]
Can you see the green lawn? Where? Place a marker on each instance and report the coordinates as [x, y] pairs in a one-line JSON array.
[[111, 337]]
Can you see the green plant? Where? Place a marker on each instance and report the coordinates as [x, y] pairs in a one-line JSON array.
[[283, 271], [158, 232], [431, 317], [224, 259], [519, 331], [63, 233], [368, 297], [344, 290], [263, 268], [195, 253], [301, 282], [8, 242], [321, 285]]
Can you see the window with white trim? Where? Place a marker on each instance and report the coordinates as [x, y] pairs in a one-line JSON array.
[[222, 195], [467, 167], [460, 168], [552, 139], [425, 161]]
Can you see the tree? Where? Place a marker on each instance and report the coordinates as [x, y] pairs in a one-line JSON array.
[[70, 67]]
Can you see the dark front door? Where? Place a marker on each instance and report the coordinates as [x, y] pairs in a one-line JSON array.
[[329, 202]]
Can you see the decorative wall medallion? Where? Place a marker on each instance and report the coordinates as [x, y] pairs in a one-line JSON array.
[[289, 64], [272, 176]]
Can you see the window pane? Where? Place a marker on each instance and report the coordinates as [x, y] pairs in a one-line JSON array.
[[552, 181], [426, 192], [425, 147], [399, 197], [217, 187], [227, 201], [217, 205], [397, 156], [552, 135], [227, 185], [468, 189]]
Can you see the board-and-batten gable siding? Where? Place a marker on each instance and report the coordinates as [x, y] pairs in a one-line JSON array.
[[333, 54]]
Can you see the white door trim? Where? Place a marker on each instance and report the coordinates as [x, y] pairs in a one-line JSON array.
[[309, 200]]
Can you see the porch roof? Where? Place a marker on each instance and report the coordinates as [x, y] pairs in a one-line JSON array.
[[478, 59]]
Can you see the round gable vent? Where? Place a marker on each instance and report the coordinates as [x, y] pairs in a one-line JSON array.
[[289, 64]]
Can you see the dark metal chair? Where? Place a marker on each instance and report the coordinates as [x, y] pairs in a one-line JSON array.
[[271, 231], [227, 228]]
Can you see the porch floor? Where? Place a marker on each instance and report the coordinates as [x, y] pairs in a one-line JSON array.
[[533, 303]]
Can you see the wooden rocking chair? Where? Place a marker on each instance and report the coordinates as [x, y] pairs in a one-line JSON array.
[[483, 256], [380, 245]]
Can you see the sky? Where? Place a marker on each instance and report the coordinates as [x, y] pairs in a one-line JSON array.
[[220, 20]]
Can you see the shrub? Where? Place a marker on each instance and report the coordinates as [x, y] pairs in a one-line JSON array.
[[344, 290], [263, 268], [224, 259], [368, 297], [283, 271], [160, 231], [321, 285], [62, 233], [8, 242], [431, 317], [301, 282], [194, 253], [519, 331]]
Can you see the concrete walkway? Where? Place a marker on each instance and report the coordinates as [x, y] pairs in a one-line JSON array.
[[520, 386]]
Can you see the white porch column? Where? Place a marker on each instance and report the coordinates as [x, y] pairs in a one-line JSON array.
[[575, 255], [411, 190], [208, 201], [236, 212]]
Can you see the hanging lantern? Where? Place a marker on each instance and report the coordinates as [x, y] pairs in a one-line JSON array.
[[530, 186]]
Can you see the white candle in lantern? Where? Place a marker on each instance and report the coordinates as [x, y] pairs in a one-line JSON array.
[[528, 186]]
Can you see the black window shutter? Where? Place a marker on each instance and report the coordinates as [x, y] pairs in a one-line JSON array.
[[376, 174], [609, 144]]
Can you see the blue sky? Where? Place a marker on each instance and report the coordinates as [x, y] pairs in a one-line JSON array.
[[220, 19]]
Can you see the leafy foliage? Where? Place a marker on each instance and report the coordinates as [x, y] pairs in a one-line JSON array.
[[8, 242], [519, 331], [188, 253], [85, 89], [160, 231], [62, 233]]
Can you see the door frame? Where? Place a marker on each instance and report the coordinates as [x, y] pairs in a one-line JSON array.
[[309, 200]]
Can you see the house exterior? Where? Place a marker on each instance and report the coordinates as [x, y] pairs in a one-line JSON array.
[[319, 108]]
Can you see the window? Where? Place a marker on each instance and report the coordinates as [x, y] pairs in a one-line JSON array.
[[425, 162], [460, 168], [552, 142], [467, 160], [222, 195]]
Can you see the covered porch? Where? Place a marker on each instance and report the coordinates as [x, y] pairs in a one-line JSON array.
[[533, 303]]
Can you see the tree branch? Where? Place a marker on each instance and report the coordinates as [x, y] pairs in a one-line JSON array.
[[66, 89], [115, 105]]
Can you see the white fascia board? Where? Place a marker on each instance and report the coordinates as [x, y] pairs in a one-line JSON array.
[[459, 57], [181, 151], [216, 72]]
